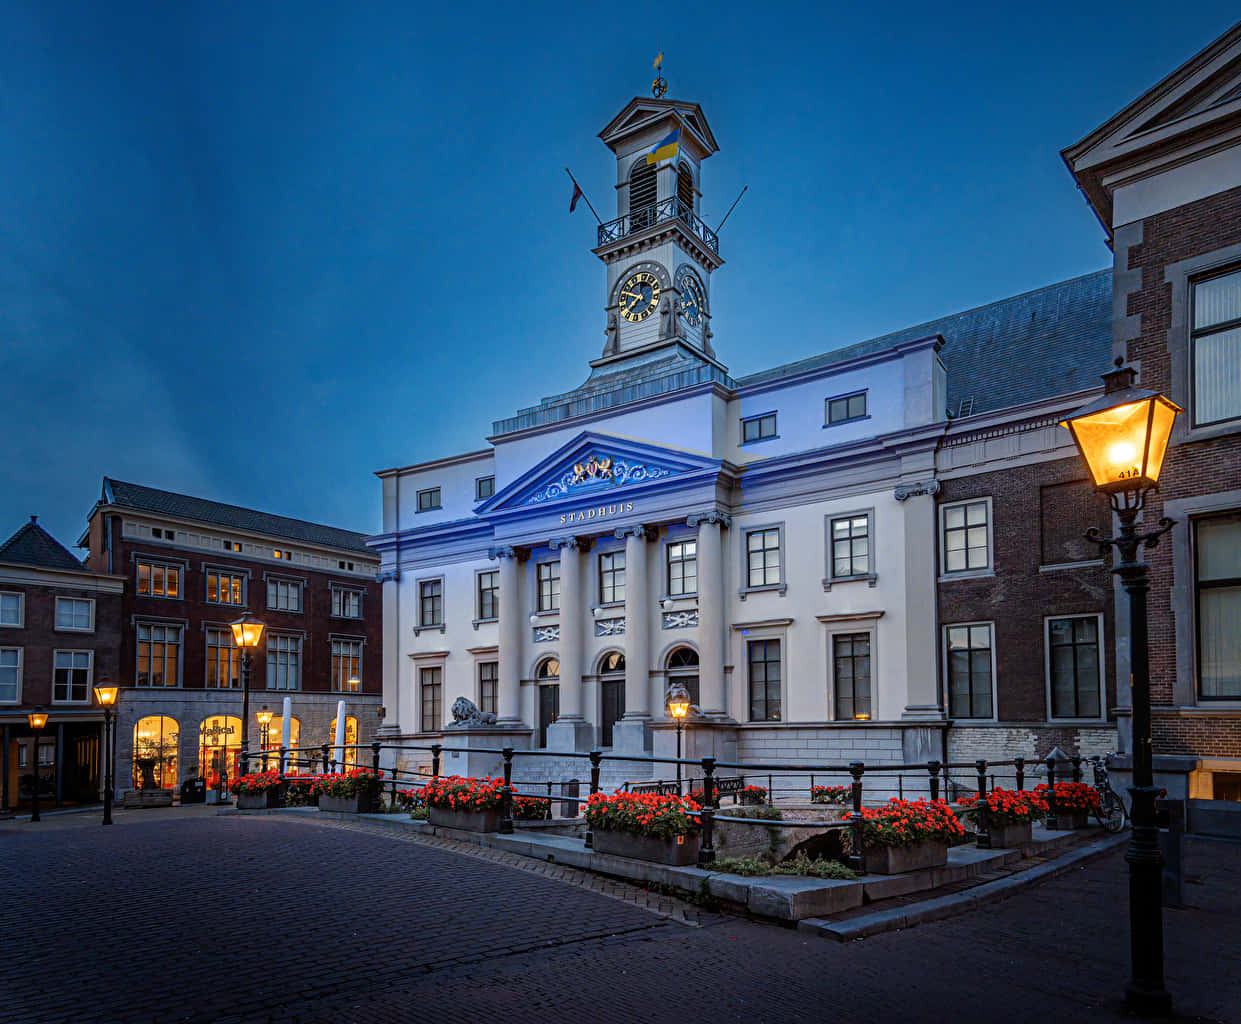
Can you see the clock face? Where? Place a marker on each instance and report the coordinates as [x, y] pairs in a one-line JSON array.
[[693, 303], [639, 296]]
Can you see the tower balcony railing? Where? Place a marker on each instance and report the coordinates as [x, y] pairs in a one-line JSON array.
[[672, 208]]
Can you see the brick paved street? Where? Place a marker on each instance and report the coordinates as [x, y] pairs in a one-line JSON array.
[[188, 916]]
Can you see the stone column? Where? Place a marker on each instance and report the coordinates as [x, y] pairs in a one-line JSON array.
[[508, 700], [391, 725], [571, 731], [711, 640], [632, 734]]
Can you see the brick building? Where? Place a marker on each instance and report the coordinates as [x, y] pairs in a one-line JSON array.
[[1164, 178], [191, 567], [60, 632]]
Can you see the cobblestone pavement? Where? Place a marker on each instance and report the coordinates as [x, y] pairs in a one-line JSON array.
[[237, 919]]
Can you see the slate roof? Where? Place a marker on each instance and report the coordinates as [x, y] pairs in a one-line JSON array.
[[33, 545], [153, 500], [1043, 343]]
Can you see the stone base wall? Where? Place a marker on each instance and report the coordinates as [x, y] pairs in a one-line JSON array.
[[815, 745]]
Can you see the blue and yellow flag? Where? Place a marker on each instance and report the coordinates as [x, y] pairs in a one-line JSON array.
[[666, 148]]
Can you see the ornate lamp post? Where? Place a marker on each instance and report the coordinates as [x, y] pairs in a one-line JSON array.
[[38, 719], [106, 692], [1123, 437], [678, 701], [264, 718], [247, 634]]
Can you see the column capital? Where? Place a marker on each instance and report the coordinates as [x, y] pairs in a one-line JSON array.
[[905, 491], [639, 531], [573, 543], [502, 551], [722, 519]]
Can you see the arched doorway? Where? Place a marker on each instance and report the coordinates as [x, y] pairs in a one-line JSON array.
[[547, 676], [219, 745], [611, 694], [351, 740], [683, 669], [156, 745]]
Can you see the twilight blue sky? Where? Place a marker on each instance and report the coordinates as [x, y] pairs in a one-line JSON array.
[[257, 251]]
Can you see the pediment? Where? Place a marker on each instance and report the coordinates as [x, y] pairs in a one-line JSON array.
[[640, 112], [595, 467]]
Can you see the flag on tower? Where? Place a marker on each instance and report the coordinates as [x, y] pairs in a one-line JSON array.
[[577, 194], [665, 148]]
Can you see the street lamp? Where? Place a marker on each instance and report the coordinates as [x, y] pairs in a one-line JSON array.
[[264, 718], [38, 719], [247, 633], [1123, 438], [106, 693], [678, 700]]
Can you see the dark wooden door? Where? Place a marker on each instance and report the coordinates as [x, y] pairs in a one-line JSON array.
[[613, 694], [549, 709]]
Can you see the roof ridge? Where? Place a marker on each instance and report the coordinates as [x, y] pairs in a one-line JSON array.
[[44, 550]]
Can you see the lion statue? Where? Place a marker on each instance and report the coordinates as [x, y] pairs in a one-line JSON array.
[[465, 713]]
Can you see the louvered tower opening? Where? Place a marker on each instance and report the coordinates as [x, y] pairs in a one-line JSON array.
[[685, 187], [642, 192]]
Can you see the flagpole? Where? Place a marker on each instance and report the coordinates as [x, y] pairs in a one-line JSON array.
[[584, 196], [731, 208]]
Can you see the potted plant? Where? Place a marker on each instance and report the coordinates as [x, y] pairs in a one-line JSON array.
[[839, 795], [905, 835], [1008, 815], [257, 792], [754, 795], [300, 791], [647, 826], [355, 791], [528, 808], [1070, 804], [458, 802]]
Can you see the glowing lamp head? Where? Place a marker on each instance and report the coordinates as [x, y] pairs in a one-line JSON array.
[[264, 717], [106, 693], [679, 701], [1123, 436], [247, 631], [38, 719]]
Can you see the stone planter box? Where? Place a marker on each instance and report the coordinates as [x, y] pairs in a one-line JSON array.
[[470, 821], [259, 801], [896, 860], [679, 852], [1066, 821], [1004, 836], [359, 803]]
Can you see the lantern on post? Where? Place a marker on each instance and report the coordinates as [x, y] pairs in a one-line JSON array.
[[678, 701], [247, 634]]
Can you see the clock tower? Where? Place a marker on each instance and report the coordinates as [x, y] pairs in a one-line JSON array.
[[658, 252]]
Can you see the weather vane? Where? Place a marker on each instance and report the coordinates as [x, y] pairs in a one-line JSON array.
[[660, 85]]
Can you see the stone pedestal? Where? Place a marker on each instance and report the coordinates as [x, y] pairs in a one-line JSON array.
[[699, 739], [632, 737], [478, 766], [571, 735]]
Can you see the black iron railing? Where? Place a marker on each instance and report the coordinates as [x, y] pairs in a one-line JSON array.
[[668, 209]]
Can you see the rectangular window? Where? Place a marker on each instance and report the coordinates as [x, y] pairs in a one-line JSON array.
[[71, 677], [232, 545], [223, 659], [432, 688], [347, 604], [10, 674], [1073, 664], [850, 546], [846, 407], [764, 662], [225, 588], [484, 487], [284, 662], [159, 655], [431, 603], [611, 577], [347, 665], [489, 594], [488, 685], [75, 614], [1217, 541], [967, 542], [762, 558], [682, 568], [11, 608], [284, 595], [549, 586], [851, 667], [1215, 341], [286, 556], [428, 499], [758, 428], [969, 671], [156, 580]]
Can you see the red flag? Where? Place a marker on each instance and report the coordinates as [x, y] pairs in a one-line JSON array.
[[577, 194]]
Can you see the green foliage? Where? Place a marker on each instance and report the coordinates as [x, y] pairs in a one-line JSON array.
[[800, 865], [419, 813], [764, 812]]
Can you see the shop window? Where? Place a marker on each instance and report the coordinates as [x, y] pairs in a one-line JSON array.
[[156, 748]]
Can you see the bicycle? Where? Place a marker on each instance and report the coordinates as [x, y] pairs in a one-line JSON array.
[[1111, 813]]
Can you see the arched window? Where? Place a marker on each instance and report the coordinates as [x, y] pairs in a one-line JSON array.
[[685, 187], [547, 675], [219, 745], [683, 669], [548, 669], [611, 694], [351, 740], [156, 747], [272, 741], [642, 194]]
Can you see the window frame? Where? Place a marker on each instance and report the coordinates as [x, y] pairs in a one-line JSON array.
[[846, 397], [759, 418], [209, 659], [668, 543], [21, 664], [852, 631], [182, 628], [182, 570], [611, 573], [419, 508], [781, 587], [438, 699], [58, 628], [21, 609], [538, 587], [273, 661], [426, 581], [967, 573], [360, 643], [990, 624], [478, 488], [286, 581], [343, 591], [1101, 655], [90, 675], [232, 572], [478, 596], [830, 578], [780, 661], [1196, 333], [1196, 604], [494, 666]]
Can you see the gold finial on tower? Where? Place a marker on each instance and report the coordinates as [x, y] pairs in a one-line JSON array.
[[660, 85]]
